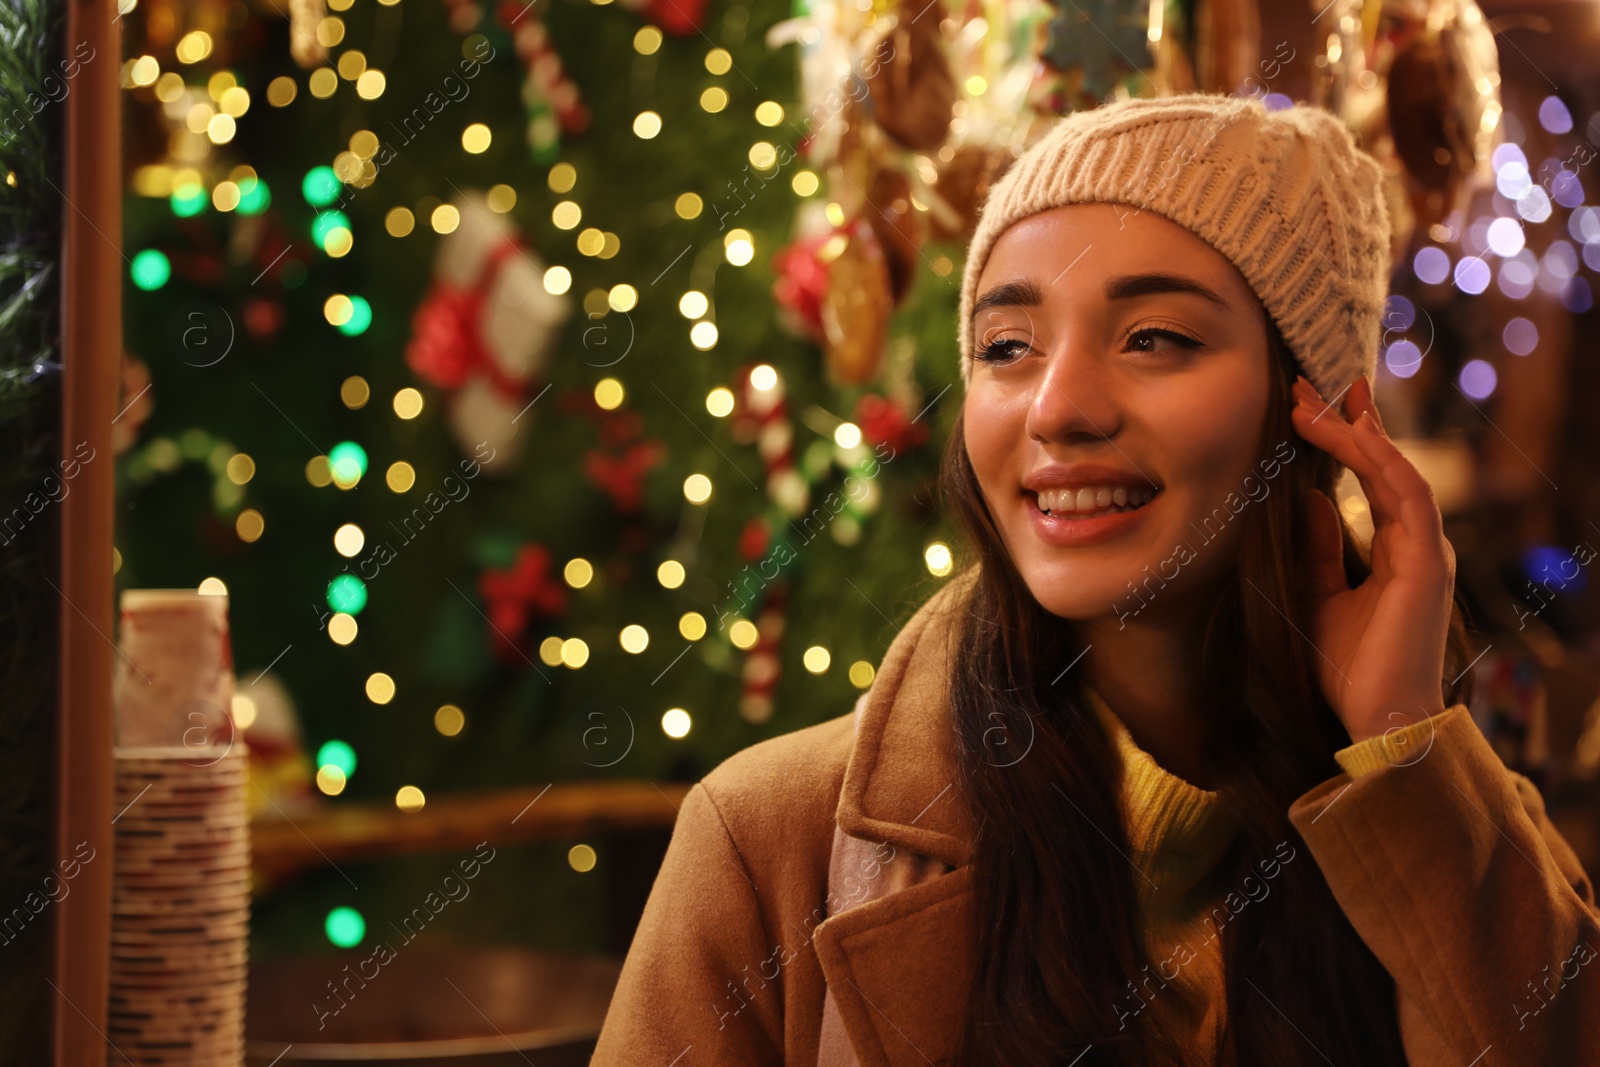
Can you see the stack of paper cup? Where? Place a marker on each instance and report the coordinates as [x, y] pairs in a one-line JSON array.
[[180, 908]]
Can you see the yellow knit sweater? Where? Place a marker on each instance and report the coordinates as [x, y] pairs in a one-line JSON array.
[[1178, 834]]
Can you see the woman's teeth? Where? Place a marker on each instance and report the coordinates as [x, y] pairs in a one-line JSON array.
[[1091, 501]]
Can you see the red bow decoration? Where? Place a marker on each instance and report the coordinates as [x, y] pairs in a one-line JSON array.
[[514, 594], [447, 346], [622, 476], [882, 420]]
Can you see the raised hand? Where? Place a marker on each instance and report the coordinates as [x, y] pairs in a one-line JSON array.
[[1381, 645]]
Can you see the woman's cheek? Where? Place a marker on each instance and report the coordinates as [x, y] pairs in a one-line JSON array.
[[990, 438]]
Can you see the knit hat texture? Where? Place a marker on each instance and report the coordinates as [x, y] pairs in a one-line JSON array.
[[1285, 195]]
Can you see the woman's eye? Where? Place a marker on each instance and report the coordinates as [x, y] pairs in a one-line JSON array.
[[1001, 351], [1152, 339]]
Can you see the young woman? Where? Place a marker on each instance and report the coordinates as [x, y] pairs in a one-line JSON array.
[[1175, 771]]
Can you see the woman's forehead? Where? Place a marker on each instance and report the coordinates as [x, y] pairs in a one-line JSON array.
[[1079, 243]]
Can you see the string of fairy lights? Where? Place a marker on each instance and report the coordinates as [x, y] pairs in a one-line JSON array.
[[204, 114], [1494, 247]]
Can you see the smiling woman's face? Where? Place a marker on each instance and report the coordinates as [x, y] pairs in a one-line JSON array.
[[1116, 358]]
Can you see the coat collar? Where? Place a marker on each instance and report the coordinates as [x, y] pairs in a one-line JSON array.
[[901, 782], [898, 967]]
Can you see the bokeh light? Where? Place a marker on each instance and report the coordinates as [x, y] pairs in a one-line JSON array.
[[345, 927], [150, 269], [1472, 275], [1520, 336], [320, 186], [359, 319], [1554, 569], [330, 780], [1513, 179], [449, 720], [379, 687], [1431, 264], [1554, 116], [1477, 379], [1398, 313], [348, 594], [348, 539], [1505, 237], [337, 754], [348, 463], [1402, 358], [634, 638]]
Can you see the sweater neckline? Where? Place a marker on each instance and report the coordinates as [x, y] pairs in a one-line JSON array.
[[1177, 831]]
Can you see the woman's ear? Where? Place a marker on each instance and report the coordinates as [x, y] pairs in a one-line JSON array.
[[1325, 547]]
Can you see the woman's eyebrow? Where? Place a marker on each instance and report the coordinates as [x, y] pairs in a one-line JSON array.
[[1132, 285], [1025, 293]]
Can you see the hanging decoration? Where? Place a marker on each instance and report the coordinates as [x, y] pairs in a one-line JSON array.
[[485, 330], [761, 416], [1420, 85], [619, 468], [912, 91], [1115, 48], [514, 596], [140, 464], [906, 151], [885, 422], [549, 95], [837, 288], [550, 98]]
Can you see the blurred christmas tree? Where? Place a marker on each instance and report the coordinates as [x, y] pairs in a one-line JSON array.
[[453, 355]]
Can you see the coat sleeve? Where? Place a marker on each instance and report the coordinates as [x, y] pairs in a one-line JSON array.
[[689, 993], [1449, 869]]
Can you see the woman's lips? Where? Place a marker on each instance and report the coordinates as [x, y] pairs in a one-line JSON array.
[[1085, 528]]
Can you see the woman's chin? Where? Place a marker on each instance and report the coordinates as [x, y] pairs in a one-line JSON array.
[[1069, 594]]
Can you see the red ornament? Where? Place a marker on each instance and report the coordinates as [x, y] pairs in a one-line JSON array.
[[263, 316], [680, 17], [515, 594], [883, 421], [622, 476], [753, 540], [447, 343], [802, 285]]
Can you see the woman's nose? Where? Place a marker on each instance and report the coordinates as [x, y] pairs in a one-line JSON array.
[[1073, 396]]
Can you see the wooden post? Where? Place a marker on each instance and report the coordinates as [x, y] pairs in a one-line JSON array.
[[91, 335]]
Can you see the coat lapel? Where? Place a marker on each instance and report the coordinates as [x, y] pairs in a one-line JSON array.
[[898, 966], [900, 782], [898, 969]]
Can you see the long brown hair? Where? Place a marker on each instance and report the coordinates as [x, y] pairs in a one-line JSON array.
[[1057, 925]]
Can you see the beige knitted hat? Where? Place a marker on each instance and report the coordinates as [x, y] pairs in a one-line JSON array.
[[1286, 195]]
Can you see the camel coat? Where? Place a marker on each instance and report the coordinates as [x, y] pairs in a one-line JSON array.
[[1447, 867]]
